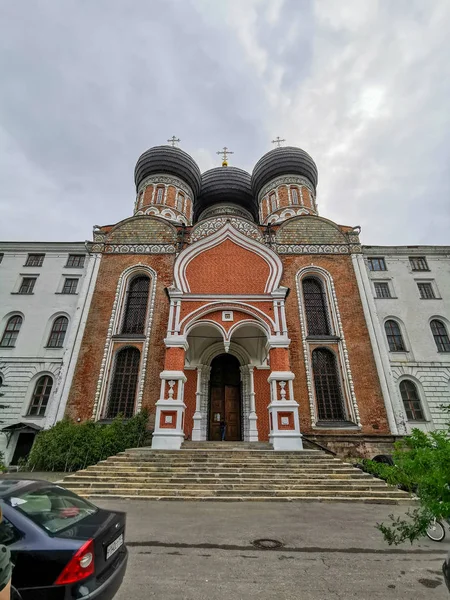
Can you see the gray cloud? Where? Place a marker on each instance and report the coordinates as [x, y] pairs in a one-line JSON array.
[[88, 86]]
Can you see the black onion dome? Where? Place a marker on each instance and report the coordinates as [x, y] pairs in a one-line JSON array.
[[226, 185], [170, 160], [287, 160]]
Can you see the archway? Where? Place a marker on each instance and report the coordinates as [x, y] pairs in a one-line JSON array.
[[225, 399]]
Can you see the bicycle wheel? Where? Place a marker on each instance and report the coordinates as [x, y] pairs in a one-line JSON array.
[[436, 531]]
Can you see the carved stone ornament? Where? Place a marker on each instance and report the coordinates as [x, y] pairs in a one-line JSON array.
[[318, 248], [286, 180], [133, 248], [206, 228], [167, 180]]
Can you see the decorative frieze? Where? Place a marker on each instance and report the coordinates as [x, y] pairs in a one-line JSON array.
[[132, 248], [166, 180], [286, 180], [206, 228], [318, 248]]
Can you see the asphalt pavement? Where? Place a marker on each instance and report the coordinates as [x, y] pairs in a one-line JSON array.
[[204, 551]]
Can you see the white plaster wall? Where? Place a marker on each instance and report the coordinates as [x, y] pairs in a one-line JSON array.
[[421, 362], [22, 365]]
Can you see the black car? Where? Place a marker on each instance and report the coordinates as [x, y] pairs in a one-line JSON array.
[[446, 571], [62, 546]]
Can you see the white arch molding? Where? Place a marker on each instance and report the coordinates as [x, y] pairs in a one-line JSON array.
[[114, 327], [228, 232], [203, 367]]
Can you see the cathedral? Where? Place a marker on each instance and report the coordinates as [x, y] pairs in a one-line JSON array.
[[229, 308]]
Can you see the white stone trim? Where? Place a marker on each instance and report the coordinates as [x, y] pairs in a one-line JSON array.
[[286, 180], [228, 232], [101, 394], [337, 329], [166, 180]]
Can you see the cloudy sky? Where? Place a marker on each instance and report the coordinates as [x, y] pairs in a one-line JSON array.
[[87, 85]]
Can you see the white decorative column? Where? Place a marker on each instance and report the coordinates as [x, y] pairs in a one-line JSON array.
[[284, 421], [198, 416], [170, 408], [252, 418]]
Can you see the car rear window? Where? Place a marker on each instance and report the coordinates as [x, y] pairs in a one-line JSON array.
[[52, 508]]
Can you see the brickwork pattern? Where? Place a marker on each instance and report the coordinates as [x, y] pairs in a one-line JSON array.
[[82, 393], [309, 229], [365, 378], [143, 230]]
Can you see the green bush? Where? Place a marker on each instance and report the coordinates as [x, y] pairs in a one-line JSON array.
[[69, 446]]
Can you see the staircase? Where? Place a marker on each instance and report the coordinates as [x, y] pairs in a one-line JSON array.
[[228, 471]]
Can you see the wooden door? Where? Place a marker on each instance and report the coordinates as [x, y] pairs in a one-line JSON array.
[[225, 398], [232, 413], [216, 412]]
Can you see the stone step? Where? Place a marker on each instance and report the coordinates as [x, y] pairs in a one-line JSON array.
[[221, 470], [305, 493], [235, 445], [180, 478], [223, 454], [112, 484], [317, 498]]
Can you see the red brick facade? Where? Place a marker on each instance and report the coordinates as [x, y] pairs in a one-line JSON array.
[[235, 288]]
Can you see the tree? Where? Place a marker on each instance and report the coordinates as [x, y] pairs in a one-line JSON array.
[[421, 466]]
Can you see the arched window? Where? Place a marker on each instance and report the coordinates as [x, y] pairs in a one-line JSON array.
[[294, 194], [273, 202], [136, 305], [411, 401], [180, 201], [11, 332], [330, 402], [394, 336], [315, 307], [159, 195], [41, 394], [124, 383], [58, 332], [439, 331]]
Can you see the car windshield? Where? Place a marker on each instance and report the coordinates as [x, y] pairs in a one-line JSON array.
[[52, 508]]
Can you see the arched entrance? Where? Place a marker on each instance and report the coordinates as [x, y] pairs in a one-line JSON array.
[[225, 404]]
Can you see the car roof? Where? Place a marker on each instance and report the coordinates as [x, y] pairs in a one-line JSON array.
[[10, 487]]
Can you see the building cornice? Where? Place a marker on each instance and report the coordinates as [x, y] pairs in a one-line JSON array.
[[406, 250], [78, 247]]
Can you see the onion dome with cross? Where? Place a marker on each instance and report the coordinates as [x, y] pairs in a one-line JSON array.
[[284, 182], [167, 181], [226, 190]]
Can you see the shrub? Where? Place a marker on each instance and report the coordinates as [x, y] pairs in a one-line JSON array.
[[421, 465], [69, 446]]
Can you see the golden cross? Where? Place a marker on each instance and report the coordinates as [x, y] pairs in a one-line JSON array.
[[278, 141], [173, 140], [224, 153]]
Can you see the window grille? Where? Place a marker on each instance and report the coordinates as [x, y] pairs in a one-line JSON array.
[[27, 285], [376, 263], [315, 307], [136, 305], [124, 383], [426, 290], [294, 194], [440, 335], [418, 263], [159, 195], [75, 260], [411, 401], [70, 286], [330, 402], [180, 202], [58, 332], [11, 332], [41, 395], [382, 290], [35, 260]]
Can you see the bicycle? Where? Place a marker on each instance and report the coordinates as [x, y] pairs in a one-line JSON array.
[[436, 530]]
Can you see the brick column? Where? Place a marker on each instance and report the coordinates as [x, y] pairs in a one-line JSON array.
[[170, 408], [284, 421]]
